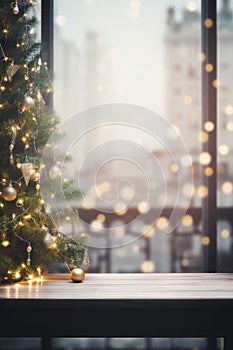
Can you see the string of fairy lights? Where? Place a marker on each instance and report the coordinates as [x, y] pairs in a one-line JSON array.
[[23, 130]]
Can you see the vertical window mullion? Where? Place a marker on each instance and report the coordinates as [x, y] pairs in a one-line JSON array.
[[47, 36], [209, 113]]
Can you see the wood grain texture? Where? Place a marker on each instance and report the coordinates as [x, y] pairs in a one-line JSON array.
[[125, 286], [120, 305]]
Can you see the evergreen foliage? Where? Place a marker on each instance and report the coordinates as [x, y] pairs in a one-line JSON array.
[[26, 123]]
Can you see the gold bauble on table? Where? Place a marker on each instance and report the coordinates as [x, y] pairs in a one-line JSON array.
[[77, 275]]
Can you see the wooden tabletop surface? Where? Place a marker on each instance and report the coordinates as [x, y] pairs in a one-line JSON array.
[[120, 305], [125, 286]]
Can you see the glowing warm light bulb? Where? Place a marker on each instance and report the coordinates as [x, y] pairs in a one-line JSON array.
[[209, 126], [60, 20], [229, 110], [120, 208], [143, 207], [96, 225], [216, 83], [174, 168], [209, 67], [187, 220], [101, 217], [148, 231], [162, 223], [209, 22], [148, 266], [203, 137], [5, 243], [202, 191], [201, 57], [27, 217], [205, 158], [227, 187], [209, 171], [184, 262], [17, 275], [225, 233], [192, 6], [223, 150], [205, 240]]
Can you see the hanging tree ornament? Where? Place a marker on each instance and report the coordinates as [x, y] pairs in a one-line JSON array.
[[9, 193], [86, 262], [11, 158], [16, 8], [29, 249], [27, 171], [28, 103], [13, 134], [36, 176], [12, 70], [49, 240], [55, 172]]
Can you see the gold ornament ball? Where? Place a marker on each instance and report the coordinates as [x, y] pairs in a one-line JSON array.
[[28, 102], [9, 193], [77, 275], [36, 176]]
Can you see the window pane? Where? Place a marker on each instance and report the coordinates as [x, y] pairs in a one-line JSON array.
[[145, 53]]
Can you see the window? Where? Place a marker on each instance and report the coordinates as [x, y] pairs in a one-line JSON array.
[[102, 63]]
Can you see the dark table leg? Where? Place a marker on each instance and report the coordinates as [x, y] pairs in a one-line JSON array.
[[46, 343], [228, 343]]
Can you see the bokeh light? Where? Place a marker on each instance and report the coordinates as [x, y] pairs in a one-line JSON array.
[[225, 233], [202, 191], [162, 223], [227, 187], [205, 240], [143, 207], [209, 126], [223, 150], [209, 171], [187, 220], [205, 158], [148, 266]]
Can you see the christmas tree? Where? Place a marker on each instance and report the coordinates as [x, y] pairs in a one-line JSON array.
[[29, 240]]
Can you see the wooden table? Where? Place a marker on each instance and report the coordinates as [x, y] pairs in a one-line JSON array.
[[120, 305]]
